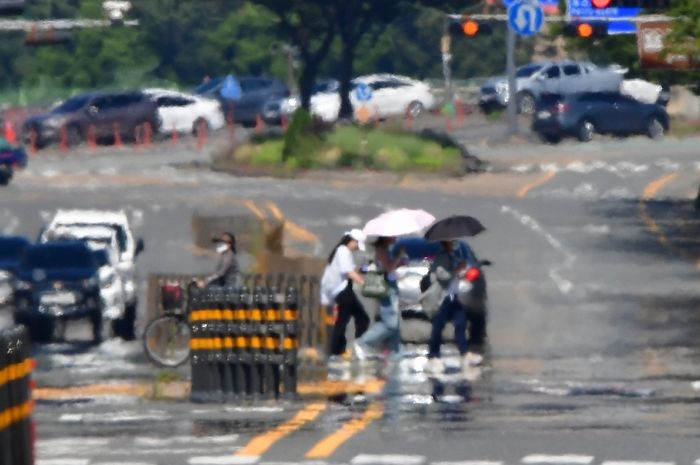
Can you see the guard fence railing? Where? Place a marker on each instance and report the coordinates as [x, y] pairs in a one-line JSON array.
[[16, 405]]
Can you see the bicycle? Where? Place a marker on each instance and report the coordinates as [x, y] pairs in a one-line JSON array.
[[166, 339]]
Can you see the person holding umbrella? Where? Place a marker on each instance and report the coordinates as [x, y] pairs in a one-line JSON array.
[[446, 269], [337, 288], [387, 226]]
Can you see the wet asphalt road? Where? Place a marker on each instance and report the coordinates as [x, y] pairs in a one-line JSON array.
[[593, 347]]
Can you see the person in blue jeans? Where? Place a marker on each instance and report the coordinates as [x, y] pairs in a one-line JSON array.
[[446, 269], [386, 332]]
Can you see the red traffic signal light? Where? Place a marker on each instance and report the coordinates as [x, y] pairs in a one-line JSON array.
[[601, 4], [468, 27], [586, 30], [649, 4]]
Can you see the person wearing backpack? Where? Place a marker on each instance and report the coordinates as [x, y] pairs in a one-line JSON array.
[[337, 288], [445, 271]]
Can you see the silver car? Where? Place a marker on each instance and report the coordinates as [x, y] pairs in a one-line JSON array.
[[536, 79], [414, 280]]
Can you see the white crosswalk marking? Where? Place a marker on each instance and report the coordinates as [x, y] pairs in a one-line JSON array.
[[62, 462], [224, 460], [567, 458], [122, 463], [387, 459], [632, 462], [162, 442]]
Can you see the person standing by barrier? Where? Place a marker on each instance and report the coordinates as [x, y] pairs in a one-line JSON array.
[[228, 272], [445, 269], [386, 332], [337, 288]]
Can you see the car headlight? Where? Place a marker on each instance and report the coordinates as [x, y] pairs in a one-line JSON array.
[[23, 285], [54, 122], [501, 87]]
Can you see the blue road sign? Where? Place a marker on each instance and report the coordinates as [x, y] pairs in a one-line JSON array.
[[543, 3], [363, 92], [583, 8], [526, 18]]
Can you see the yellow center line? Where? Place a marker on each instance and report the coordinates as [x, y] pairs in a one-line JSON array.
[[276, 212], [255, 209], [650, 191], [327, 446], [300, 233], [543, 180], [261, 443]]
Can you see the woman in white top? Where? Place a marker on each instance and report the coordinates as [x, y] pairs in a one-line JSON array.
[[337, 287]]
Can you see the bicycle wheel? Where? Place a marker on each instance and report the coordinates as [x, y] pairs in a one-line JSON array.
[[166, 341]]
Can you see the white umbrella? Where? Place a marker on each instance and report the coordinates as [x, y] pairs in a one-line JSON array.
[[398, 223]]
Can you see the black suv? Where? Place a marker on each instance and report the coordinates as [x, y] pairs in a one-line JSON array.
[[256, 92], [57, 282], [103, 113]]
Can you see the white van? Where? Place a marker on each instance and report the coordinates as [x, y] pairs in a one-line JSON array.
[[128, 248]]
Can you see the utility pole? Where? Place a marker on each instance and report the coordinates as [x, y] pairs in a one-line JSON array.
[[512, 83], [445, 46]]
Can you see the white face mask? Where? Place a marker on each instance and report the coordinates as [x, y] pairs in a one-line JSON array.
[[222, 248]]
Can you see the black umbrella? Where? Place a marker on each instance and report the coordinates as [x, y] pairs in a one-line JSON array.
[[454, 227]]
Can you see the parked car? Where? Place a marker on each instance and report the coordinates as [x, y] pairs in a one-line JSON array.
[[11, 250], [105, 113], [255, 93], [11, 159], [183, 113], [56, 283], [275, 110], [128, 249], [102, 240], [549, 77], [584, 114], [412, 283], [392, 95]]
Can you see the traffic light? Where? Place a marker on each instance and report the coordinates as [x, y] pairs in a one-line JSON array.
[[11, 7], [467, 27], [586, 30], [647, 4], [50, 36]]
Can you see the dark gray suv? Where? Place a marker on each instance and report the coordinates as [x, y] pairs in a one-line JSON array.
[[106, 114]]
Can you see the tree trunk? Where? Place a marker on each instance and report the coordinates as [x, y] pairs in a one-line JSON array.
[[306, 82], [347, 66]]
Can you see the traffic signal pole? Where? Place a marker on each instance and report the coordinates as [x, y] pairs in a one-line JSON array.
[[512, 83]]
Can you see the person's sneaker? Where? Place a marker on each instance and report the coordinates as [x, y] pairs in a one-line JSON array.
[[472, 359], [359, 351], [434, 366]]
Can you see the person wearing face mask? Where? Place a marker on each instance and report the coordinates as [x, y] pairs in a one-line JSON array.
[[446, 269], [228, 272]]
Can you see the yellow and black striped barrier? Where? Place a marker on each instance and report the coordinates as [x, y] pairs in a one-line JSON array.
[[244, 344], [16, 405]]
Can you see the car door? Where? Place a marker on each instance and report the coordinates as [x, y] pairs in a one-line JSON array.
[[383, 99], [551, 80], [572, 79], [629, 114], [101, 115], [248, 107], [176, 113]]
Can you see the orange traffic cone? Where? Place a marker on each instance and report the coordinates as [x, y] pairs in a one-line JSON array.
[[63, 139], [92, 138], [259, 124], [10, 133], [117, 136], [175, 136]]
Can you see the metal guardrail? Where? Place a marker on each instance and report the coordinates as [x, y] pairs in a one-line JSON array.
[[16, 405]]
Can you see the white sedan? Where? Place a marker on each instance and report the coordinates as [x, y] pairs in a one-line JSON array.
[[184, 113], [390, 95]]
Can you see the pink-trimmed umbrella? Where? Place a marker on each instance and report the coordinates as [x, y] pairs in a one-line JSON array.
[[398, 223]]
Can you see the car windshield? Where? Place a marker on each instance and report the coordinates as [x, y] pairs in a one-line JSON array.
[[121, 234], [208, 86], [72, 104], [527, 71], [11, 249], [101, 257], [47, 257]]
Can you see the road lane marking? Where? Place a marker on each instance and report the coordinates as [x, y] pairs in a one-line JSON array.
[[222, 460], [632, 462], [327, 446], [564, 285], [522, 193], [252, 206], [387, 459], [62, 461], [568, 458], [123, 463], [262, 443], [160, 442]]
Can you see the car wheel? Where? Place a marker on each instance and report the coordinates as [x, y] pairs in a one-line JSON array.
[[200, 127], [585, 131], [655, 130], [74, 136], [526, 103], [5, 179], [415, 109]]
